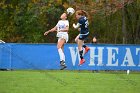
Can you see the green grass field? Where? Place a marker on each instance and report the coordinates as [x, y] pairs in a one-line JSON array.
[[54, 81]]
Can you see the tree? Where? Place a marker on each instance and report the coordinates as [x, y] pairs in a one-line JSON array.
[[113, 21]]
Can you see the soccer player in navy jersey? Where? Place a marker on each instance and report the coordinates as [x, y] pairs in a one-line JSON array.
[[82, 25]]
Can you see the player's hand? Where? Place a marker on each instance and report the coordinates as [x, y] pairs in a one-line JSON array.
[[74, 25], [47, 32]]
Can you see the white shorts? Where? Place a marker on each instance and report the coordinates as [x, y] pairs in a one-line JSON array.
[[63, 35]]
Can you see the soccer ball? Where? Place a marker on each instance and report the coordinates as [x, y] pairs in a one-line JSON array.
[[70, 11]]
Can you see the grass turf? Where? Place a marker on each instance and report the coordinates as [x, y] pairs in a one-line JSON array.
[[68, 82]]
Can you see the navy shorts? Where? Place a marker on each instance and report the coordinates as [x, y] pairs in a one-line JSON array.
[[83, 37]]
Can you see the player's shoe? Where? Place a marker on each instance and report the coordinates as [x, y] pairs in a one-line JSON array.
[[63, 65], [86, 49], [81, 61]]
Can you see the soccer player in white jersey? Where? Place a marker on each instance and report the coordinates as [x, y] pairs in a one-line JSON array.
[[62, 29]]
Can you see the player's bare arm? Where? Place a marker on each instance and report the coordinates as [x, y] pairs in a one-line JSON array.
[[51, 30]]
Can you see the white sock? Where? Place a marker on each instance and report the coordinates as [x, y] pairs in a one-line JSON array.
[[61, 54]]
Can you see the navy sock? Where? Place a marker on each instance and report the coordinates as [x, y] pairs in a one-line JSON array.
[[84, 46], [81, 54]]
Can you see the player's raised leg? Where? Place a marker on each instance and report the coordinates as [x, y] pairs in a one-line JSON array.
[[86, 48]]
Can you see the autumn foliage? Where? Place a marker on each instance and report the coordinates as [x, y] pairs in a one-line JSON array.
[[111, 21]]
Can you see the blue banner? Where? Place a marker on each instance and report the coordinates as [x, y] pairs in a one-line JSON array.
[[45, 56]]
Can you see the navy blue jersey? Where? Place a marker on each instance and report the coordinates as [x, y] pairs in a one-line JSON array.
[[83, 21]]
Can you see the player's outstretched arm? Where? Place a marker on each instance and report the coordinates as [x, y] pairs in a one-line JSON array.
[[52, 30], [47, 32]]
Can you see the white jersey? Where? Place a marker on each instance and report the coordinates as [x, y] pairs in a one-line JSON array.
[[61, 25]]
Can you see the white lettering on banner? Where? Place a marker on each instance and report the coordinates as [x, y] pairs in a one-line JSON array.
[[99, 56], [112, 56], [110, 59], [74, 54], [128, 58], [138, 53]]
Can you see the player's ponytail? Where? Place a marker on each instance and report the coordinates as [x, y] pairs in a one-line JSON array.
[[82, 13]]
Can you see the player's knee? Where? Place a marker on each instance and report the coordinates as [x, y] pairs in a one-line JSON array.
[[58, 46], [76, 40], [94, 40]]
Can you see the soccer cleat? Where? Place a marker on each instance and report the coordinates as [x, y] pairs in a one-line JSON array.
[[81, 61], [86, 49], [63, 65]]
